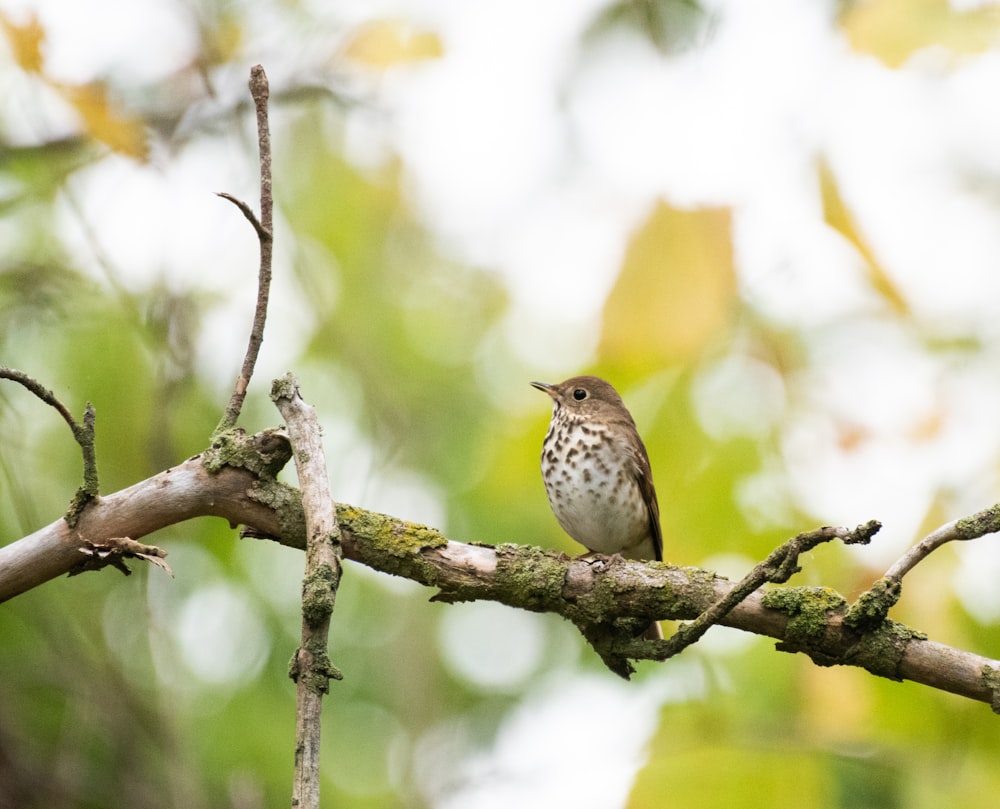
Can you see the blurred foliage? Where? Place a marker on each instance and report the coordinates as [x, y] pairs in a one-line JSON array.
[[100, 116], [25, 42], [670, 25], [894, 30], [143, 691], [838, 216], [654, 320], [388, 43]]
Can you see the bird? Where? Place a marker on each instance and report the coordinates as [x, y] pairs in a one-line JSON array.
[[597, 474]]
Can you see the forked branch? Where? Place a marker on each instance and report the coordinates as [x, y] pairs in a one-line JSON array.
[[83, 433], [259, 90]]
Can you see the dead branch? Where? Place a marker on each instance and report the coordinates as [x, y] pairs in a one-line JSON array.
[[259, 90], [83, 434], [311, 667]]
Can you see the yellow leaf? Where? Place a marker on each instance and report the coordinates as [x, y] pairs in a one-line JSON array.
[[124, 134], [676, 290], [893, 30], [223, 42], [25, 42], [837, 216], [388, 43]]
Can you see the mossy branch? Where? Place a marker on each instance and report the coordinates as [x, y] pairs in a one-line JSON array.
[[874, 604], [311, 668], [780, 565], [607, 601]]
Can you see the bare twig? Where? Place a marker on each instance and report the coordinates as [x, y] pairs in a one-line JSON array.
[[984, 522], [311, 667], [777, 568], [874, 604], [265, 234], [248, 213], [82, 433], [41, 392]]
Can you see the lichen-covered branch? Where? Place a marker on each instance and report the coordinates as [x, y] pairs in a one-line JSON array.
[[592, 594], [780, 565], [234, 480], [873, 606], [240, 489], [311, 668]]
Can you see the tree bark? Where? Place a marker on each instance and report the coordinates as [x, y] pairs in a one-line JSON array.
[[587, 592]]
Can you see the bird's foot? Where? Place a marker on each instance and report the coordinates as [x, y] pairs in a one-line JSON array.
[[602, 559]]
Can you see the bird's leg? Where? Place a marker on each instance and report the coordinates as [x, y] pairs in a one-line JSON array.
[[595, 557]]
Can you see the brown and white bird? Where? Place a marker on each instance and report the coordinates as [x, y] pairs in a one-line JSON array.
[[597, 475]]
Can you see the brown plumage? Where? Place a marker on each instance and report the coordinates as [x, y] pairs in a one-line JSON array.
[[597, 475]]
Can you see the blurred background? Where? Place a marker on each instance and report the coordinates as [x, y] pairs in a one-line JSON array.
[[774, 225]]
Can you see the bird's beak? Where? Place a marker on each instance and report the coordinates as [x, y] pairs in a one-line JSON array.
[[545, 387]]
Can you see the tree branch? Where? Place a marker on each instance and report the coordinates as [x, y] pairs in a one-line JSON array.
[[311, 668], [259, 90], [874, 604], [777, 568], [984, 522], [82, 433], [235, 480], [204, 485]]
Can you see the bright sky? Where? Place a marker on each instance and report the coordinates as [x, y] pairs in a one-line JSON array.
[[527, 158]]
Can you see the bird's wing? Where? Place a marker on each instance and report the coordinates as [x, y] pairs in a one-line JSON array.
[[644, 476]]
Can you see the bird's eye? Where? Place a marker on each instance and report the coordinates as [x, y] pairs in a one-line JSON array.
[[579, 394]]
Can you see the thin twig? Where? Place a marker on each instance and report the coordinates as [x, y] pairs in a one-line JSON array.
[[777, 568], [82, 433], [265, 235], [247, 211], [874, 604], [984, 522], [41, 392], [311, 667]]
